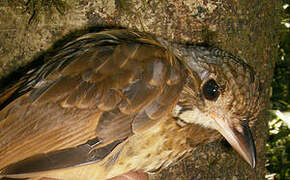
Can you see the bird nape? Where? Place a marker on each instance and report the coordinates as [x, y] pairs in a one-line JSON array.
[[115, 101]]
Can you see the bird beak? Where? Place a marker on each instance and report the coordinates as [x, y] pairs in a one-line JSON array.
[[240, 138]]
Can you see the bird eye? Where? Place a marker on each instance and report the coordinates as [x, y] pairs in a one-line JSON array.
[[211, 90]]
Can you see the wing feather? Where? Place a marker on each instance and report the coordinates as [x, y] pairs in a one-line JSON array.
[[103, 86]]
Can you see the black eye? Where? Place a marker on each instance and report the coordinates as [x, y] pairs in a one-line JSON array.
[[211, 90]]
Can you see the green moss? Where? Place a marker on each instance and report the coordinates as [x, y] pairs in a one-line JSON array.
[[35, 8]]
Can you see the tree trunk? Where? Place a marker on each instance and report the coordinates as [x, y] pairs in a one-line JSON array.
[[247, 29]]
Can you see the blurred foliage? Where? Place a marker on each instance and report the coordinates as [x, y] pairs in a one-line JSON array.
[[278, 145], [278, 149], [281, 96]]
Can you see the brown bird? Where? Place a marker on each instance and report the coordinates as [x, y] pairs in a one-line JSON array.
[[116, 101]]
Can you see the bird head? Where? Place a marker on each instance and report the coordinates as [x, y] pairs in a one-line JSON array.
[[220, 93]]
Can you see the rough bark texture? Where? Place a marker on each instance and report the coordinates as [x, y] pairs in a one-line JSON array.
[[246, 28]]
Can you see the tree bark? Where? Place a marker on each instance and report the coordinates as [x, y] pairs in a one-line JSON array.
[[247, 29]]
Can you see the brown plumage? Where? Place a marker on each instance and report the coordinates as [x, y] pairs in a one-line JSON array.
[[116, 101]]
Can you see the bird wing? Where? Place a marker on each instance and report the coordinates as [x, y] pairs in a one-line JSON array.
[[93, 94]]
